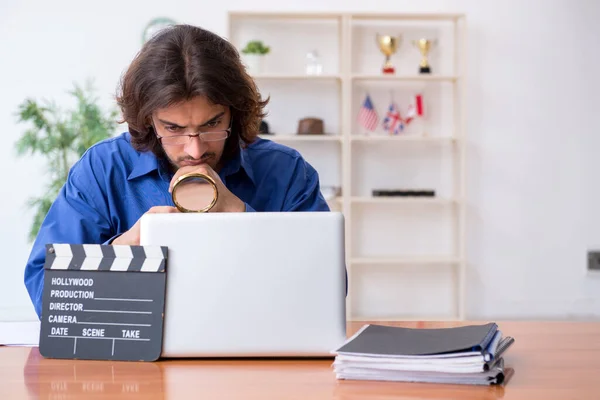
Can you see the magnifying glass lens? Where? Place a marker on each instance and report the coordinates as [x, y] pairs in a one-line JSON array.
[[194, 194]]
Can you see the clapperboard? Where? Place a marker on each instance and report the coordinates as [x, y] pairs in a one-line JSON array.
[[103, 302]]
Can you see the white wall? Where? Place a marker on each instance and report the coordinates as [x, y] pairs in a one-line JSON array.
[[533, 93]]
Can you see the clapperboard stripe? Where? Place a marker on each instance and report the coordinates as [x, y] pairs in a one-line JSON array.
[[61, 256], [155, 258], [108, 255], [78, 258], [95, 257], [123, 258], [139, 256]]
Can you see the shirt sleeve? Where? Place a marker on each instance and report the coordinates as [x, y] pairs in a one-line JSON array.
[[75, 217], [304, 190]]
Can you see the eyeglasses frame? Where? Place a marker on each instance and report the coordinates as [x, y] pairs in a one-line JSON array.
[[197, 134]]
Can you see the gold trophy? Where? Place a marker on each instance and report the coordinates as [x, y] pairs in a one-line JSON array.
[[424, 46], [388, 46], [194, 192]]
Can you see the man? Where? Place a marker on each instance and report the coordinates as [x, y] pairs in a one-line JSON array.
[[190, 107]]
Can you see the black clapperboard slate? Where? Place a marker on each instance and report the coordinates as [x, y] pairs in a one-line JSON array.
[[103, 302]]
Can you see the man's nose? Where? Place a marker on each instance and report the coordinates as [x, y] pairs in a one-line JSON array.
[[196, 147]]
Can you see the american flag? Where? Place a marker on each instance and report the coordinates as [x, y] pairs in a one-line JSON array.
[[367, 116], [392, 122]]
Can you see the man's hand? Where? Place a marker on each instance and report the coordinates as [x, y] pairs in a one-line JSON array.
[[226, 202], [132, 236]]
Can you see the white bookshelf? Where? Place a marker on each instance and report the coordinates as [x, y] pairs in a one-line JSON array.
[[281, 76], [411, 138], [407, 260], [401, 200], [303, 138], [423, 78], [397, 248]]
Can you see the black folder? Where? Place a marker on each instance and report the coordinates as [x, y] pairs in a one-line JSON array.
[[397, 341], [471, 354]]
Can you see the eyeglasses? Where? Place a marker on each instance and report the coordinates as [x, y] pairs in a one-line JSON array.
[[183, 139]]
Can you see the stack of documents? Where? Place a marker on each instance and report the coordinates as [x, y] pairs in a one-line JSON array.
[[471, 355], [20, 333]]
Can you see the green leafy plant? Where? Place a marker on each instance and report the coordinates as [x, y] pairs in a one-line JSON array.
[[61, 137], [256, 47]]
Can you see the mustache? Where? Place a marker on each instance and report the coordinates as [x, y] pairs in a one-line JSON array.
[[205, 157]]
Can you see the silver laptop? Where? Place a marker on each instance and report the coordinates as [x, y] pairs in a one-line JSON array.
[[251, 284]]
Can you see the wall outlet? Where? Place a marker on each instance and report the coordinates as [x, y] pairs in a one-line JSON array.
[[593, 260]]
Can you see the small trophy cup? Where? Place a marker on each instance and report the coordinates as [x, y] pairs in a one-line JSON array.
[[424, 46], [388, 46]]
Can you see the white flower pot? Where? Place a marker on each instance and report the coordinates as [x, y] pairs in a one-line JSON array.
[[254, 63]]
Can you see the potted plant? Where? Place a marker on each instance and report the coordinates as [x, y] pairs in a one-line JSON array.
[[61, 137], [254, 54]]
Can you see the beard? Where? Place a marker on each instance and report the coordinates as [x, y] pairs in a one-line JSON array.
[[207, 158]]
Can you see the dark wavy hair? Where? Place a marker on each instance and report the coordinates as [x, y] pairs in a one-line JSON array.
[[182, 62]]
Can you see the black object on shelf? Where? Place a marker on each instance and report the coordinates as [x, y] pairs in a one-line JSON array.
[[403, 193], [264, 128]]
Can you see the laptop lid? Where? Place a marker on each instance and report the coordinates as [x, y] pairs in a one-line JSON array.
[[251, 284]]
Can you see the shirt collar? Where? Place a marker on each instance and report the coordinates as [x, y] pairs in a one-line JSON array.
[[147, 163]]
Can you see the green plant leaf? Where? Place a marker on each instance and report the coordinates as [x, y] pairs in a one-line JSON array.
[[30, 110], [256, 47], [61, 137]]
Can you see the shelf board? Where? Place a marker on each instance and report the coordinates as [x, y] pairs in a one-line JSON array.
[[284, 15], [296, 77], [405, 78], [408, 16], [402, 138], [302, 138], [404, 260], [354, 16], [358, 138], [358, 77], [403, 318], [401, 200]]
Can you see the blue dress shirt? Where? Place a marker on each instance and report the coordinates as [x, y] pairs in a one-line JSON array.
[[113, 185]]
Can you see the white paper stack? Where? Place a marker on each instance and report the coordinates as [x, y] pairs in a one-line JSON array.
[[463, 355], [20, 333]]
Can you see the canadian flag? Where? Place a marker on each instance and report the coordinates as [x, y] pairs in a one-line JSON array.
[[415, 108]]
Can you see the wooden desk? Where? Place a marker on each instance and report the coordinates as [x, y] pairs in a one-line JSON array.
[[551, 360]]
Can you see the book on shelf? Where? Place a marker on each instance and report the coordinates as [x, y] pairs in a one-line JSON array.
[[472, 355]]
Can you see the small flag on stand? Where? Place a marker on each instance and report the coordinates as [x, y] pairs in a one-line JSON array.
[[392, 123], [415, 109], [367, 116]]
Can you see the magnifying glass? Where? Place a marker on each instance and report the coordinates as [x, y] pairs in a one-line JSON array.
[[194, 192]]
